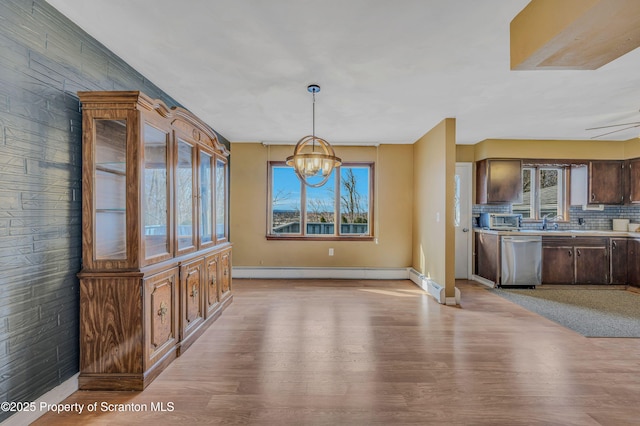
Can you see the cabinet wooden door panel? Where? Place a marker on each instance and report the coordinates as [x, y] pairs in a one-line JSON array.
[[633, 262], [162, 311], [557, 265], [618, 260], [606, 184], [499, 181], [212, 266], [225, 278], [487, 256], [634, 180], [191, 277], [591, 265]]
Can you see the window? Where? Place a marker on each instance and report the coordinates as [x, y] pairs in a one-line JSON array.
[[543, 193], [340, 208]]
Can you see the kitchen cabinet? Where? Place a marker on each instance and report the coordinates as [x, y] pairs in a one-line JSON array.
[[557, 263], [618, 260], [575, 260], [591, 262], [154, 210], [606, 182], [498, 181], [487, 264], [633, 169], [633, 262]]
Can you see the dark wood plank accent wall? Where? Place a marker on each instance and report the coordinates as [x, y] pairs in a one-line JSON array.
[[44, 60]]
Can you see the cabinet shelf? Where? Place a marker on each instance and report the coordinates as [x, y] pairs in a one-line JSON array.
[[114, 168], [121, 211]]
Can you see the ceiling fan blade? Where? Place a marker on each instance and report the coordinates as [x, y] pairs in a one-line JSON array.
[[615, 131], [614, 125]]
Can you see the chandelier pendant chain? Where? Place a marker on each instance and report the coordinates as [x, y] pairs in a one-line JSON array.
[[313, 120]]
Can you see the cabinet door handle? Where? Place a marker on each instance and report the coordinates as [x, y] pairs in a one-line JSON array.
[[578, 252], [570, 253], [593, 196], [613, 244], [194, 291]]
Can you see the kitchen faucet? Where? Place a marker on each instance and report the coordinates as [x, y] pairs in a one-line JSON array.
[[546, 218]]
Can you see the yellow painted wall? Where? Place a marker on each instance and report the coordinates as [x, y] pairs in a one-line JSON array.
[[632, 148], [392, 212], [465, 153], [434, 158], [551, 149]]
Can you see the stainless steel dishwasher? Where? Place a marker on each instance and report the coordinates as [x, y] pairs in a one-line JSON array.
[[521, 260]]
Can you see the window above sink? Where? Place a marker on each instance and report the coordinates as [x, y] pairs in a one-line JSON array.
[[544, 190]]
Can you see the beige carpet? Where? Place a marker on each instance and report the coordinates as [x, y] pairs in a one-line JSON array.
[[592, 313]]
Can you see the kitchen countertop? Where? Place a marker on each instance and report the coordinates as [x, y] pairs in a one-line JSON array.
[[561, 233]]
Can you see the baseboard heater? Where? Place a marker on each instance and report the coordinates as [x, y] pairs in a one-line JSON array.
[[320, 273], [428, 285]]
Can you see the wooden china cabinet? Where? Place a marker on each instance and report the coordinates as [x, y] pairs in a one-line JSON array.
[[156, 256]]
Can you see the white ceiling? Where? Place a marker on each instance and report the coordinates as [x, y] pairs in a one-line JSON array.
[[389, 71]]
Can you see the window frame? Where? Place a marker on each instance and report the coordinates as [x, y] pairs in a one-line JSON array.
[[336, 236], [535, 184]]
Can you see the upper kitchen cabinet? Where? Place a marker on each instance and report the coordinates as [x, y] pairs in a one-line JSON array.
[[634, 180], [606, 182], [498, 181]]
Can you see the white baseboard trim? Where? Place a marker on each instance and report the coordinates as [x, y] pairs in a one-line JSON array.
[[54, 396], [434, 289], [320, 273], [483, 281]]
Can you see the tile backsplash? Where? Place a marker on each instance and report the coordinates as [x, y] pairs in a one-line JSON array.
[[592, 219]]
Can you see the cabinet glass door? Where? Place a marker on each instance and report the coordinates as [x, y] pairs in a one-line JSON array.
[[206, 199], [221, 199], [155, 193], [110, 197], [184, 195]]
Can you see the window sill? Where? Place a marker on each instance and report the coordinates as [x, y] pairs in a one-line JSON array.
[[319, 238]]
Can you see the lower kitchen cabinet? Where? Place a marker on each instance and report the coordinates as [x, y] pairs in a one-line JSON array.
[[592, 264], [575, 260], [633, 262], [557, 264], [487, 262], [618, 248]]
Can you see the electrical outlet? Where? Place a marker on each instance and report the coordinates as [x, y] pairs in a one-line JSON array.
[[330, 252]]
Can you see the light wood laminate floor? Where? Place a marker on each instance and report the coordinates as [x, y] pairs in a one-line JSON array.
[[347, 352]]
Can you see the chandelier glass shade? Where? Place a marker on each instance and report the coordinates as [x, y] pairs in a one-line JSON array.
[[313, 158]]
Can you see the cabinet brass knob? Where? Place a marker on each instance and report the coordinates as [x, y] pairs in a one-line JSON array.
[[194, 291], [162, 312]]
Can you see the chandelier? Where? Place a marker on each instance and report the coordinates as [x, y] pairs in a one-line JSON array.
[[313, 158]]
